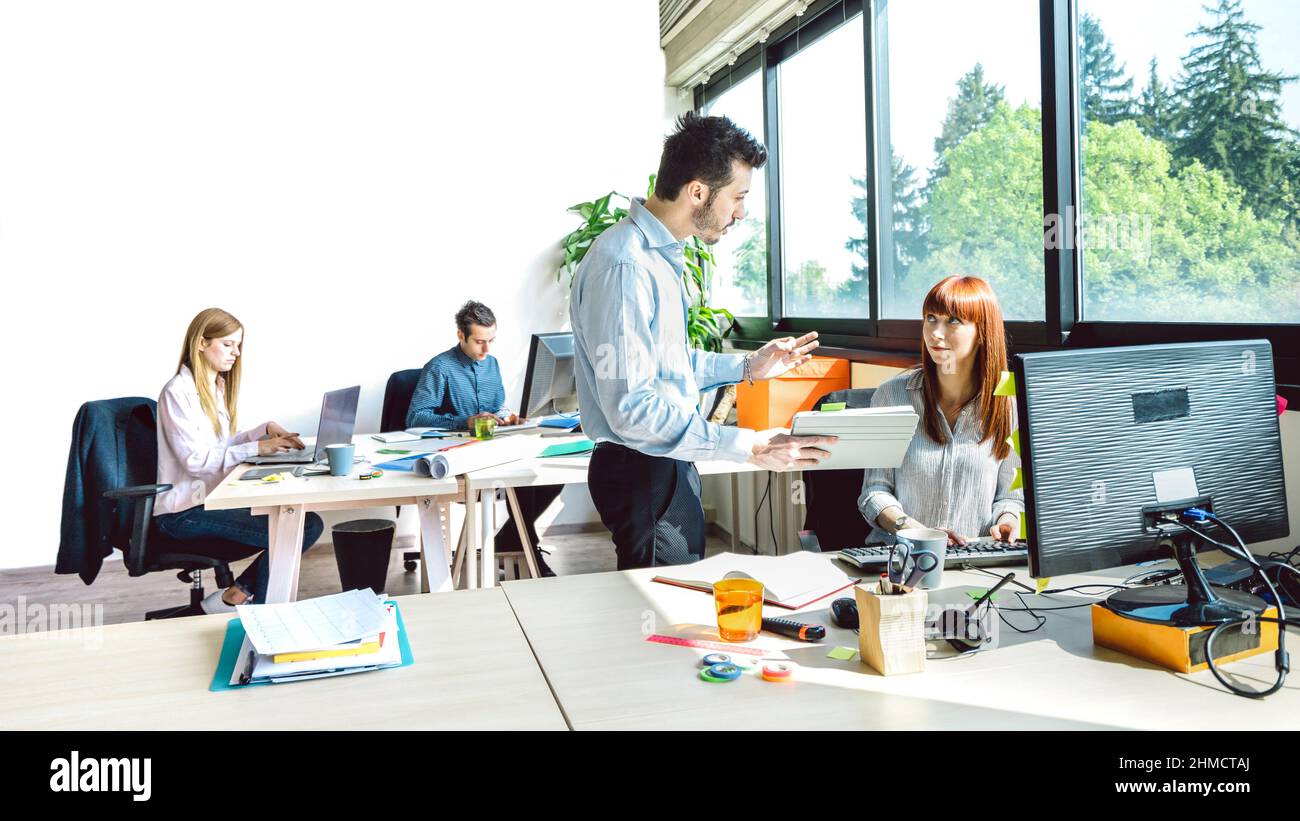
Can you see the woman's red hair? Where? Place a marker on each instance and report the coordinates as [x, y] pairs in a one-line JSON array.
[[971, 300]]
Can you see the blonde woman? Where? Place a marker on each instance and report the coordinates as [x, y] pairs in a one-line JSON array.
[[198, 445]]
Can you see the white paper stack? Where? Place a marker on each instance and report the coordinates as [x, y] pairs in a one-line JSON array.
[[350, 632], [868, 437]]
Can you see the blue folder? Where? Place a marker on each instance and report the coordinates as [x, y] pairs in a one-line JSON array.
[[235, 639]]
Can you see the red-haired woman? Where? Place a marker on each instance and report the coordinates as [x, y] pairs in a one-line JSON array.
[[958, 470]]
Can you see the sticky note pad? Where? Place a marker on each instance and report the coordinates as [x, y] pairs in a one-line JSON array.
[[979, 594], [1023, 537], [842, 653], [1014, 441], [1042, 584], [569, 448], [1006, 385], [832, 406], [1017, 481]]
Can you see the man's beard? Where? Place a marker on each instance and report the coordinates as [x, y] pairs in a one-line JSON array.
[[706, 223]]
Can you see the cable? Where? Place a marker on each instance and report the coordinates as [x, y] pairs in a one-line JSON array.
[[758, 508], [1281, 661]]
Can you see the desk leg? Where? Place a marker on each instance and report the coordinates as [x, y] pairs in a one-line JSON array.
[[488, 505], [517, 514], [458, 569], [437, 559], [735, 513], [471, 539], [285, 554]]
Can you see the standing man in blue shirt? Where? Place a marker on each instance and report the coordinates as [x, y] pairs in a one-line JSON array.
[[463, 384], [638, 379]]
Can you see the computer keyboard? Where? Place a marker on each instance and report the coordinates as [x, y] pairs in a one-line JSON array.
[[976, 553]]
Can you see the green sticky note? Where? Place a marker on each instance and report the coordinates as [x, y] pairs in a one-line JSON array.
[[1017, 481], [1014, 441], [1006, 385], [569, 448], [832, 406], [979, 594], [842, 653], [391, 451], [1023, 537], [1042, 583]]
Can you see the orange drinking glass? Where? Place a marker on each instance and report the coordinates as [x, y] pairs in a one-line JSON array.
[[739, 603]]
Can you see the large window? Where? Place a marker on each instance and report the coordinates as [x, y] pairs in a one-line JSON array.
[[1122, 172], [823, 170], [740, 257], [1190, 161], [958, 104]]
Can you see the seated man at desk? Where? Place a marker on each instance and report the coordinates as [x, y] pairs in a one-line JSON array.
[[463, 384]]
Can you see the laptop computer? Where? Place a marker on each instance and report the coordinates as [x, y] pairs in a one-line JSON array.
[[338, 417]]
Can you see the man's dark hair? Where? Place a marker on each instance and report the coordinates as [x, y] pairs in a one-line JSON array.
[[474, 313], [702, 148]]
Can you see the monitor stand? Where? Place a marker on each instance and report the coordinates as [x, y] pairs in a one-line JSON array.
[[1190, 604]]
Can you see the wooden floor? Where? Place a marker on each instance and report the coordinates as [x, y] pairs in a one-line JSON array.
[[125, 599]]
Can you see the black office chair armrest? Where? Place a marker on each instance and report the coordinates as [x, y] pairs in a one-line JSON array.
[[136, 492], [808, 541]]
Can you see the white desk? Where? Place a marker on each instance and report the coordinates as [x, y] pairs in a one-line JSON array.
[[473, 670], [287, 503], [480, 519], [587, 633]]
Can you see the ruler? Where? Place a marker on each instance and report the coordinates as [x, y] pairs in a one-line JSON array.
[[701, 644]]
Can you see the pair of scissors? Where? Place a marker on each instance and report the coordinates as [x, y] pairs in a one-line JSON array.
[[923, 561]]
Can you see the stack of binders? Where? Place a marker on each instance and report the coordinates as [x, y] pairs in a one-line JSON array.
[[352, 632]]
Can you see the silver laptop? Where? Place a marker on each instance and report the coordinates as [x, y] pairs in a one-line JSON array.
[[338, 417]]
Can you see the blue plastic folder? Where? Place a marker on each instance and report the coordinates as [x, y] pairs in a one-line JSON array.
[[235, 639], [561, 422]]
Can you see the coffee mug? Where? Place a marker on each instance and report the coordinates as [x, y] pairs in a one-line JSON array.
[[919, 541], [340, 457]]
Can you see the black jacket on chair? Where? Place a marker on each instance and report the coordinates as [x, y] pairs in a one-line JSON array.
[[103, 434]]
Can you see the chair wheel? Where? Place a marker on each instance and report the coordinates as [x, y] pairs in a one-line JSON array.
[[410, 565]]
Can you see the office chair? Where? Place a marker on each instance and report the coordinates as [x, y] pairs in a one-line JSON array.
[[832, 520], [146, 549], [397, 400]]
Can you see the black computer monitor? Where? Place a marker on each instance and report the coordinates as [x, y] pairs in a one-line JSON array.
[[548, 384], [1113, 439]]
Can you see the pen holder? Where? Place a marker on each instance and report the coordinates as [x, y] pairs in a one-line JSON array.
[[891, 630]]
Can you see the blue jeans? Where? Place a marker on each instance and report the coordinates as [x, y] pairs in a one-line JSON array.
[[250, 534]]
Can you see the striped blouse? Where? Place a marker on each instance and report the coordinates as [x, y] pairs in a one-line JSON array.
[[959, 485]]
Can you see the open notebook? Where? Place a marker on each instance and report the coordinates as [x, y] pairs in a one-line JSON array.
[[792, 581]]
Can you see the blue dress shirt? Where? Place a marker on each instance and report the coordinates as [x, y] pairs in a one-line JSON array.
[[454, 387], [638, 379]]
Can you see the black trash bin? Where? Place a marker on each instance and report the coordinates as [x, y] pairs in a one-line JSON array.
[[362, 548]]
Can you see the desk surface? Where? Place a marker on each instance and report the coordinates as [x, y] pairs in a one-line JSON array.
[[607, 677], [565, 470], [473, 670], [319, 491]]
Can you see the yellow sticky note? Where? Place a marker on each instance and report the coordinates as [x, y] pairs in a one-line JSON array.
[[1006, 385], [841, 653], [1023, 537], [1042, 584], [1017, 481], [1014, 441]]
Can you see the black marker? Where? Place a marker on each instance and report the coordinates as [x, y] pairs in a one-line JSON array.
[[794, 629]]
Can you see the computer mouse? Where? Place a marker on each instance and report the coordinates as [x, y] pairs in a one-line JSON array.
[[844, 612]]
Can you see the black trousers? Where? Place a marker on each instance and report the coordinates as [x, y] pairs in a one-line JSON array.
[[533, 501], [651, 505]]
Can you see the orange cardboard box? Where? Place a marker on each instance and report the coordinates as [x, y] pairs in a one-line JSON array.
[[772, 403]]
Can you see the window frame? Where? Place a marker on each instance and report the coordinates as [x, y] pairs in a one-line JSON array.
[[898, 340]]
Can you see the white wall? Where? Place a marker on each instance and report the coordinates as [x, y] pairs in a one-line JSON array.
[[370, 166]]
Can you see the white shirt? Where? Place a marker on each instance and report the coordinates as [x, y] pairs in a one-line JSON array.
[[192, 457]]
